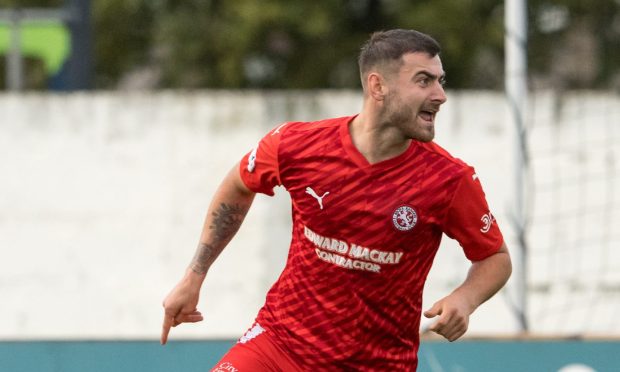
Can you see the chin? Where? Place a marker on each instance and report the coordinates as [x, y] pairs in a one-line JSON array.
[[426, 136], [425, 139]]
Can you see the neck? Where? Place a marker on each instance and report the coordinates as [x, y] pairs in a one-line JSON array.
[[377, 140]]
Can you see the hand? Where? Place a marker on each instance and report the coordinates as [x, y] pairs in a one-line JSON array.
[[180, 306], [453, 313]]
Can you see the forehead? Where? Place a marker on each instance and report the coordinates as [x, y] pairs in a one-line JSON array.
[[413, 63]]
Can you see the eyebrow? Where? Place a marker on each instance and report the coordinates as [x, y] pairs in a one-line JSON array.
[[441, 78]]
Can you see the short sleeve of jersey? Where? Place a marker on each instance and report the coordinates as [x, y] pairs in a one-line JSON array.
[[469, 220], [259, 168]]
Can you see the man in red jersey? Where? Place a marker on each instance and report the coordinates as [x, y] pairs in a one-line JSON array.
[[372, 196]]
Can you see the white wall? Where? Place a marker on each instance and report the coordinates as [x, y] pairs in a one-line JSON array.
[[102, 198]]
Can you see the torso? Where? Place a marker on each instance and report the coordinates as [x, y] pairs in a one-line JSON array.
[[364, 238]]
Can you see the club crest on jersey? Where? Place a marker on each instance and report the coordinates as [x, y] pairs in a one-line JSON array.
[[404, 218]]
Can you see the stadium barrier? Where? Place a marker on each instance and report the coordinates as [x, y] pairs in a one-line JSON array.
[[470, 355]]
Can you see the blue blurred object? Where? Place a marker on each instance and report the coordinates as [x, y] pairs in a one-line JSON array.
[[463, 356], [117, 356]]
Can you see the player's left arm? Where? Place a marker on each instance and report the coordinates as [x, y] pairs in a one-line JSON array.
[[485, 278]]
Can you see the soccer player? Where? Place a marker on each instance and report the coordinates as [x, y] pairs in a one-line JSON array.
[[372, 195]]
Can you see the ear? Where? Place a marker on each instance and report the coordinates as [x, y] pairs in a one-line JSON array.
[[377, 87]]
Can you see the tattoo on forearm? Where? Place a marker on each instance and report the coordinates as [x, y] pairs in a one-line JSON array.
[[205, 254], [225, 223]]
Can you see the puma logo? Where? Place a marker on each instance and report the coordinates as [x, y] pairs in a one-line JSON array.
[[314, 195]]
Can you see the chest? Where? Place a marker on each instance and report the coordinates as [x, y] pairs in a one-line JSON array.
[[378, 207]]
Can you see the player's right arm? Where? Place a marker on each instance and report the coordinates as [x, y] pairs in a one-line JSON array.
[[226, 212], [258, 171]]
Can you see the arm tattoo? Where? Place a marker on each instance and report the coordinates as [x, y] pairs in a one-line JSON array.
[[205, 254], [226, 221]]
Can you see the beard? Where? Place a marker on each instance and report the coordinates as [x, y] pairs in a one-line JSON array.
[[399, 114]]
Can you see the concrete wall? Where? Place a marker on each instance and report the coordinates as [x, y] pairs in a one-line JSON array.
[[102, 198]]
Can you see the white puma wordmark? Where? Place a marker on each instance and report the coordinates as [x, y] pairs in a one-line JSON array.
[[314, 195]]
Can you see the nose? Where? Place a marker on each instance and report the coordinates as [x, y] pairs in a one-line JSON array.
[[439, 95]]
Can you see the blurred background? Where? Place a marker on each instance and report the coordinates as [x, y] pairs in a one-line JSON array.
[[206, 44], [119, 118]]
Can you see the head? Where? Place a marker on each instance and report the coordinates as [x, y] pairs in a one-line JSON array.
[[402, 78]]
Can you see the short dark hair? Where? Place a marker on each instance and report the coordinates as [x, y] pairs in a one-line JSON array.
[[390, 46]]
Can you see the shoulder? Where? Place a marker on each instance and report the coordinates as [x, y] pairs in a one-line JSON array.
[[438, 153], [443, 162], [304, 127]]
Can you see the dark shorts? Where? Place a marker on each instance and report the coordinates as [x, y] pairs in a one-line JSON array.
[[256, 352]]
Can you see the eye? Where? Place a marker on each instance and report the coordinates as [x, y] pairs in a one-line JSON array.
[[424, 82], [442, 80]]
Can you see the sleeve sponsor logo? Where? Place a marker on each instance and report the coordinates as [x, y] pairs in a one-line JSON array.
[[252, 159], [487, 222]]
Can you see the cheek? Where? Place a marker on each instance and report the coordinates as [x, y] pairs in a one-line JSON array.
[[415, 100]]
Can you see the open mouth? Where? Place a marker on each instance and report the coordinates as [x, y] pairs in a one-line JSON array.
[[427, 115]]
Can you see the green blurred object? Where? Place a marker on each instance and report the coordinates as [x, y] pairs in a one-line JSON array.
[[48, 41], [487, 355]]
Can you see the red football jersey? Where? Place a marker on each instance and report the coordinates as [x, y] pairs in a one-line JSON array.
[[363, 241]]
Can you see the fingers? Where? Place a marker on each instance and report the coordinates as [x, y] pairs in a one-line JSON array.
[[165, 329], [192, 317], [451, 326], [433, 311], [453, 319], [173, 321]]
